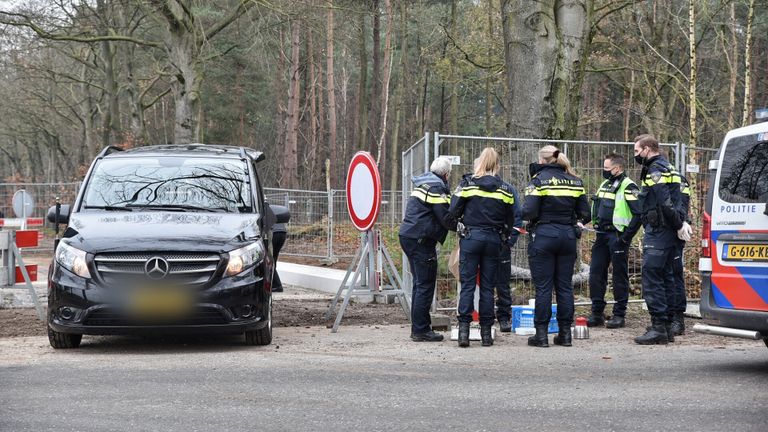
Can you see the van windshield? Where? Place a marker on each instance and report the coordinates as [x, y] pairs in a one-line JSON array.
[[744, 172], [169, 183]]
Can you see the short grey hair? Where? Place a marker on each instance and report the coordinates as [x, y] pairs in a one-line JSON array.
[[441, 166]]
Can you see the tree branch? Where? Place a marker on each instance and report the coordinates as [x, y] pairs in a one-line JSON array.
[[27, 22]]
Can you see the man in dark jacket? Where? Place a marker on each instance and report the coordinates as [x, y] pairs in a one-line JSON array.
[[426, 223], [659, 202]]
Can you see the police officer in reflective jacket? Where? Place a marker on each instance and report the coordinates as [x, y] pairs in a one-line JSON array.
[[555, 203], [426, 223], [659, 202], [485, 205], [616, 218], [679, 301]]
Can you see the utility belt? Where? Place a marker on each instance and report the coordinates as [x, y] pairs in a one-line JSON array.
[[466, 232], [606, 227], [533, 225]]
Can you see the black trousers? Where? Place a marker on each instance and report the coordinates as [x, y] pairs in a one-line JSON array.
[[608, 251], [422, 258], [503, 293], [679, 300], [551, 256]]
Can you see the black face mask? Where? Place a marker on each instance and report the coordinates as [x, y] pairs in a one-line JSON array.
[[639, 159], [607, 174]]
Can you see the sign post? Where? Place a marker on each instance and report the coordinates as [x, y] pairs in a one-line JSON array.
[[372, 260]]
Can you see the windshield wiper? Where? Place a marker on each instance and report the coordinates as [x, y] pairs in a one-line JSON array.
[[176, 207], [108, 208]]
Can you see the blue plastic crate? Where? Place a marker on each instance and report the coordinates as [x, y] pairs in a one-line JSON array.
[[522, 316]]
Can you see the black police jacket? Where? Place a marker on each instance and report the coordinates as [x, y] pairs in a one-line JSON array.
[[426, 213], [554, 196], [485, 203], [660, 200], [603, 208]]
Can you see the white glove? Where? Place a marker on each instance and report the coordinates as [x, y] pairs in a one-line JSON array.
[[684, 233]]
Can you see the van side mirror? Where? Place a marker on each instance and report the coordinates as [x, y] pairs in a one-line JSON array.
[[282, 213], [63, 216]]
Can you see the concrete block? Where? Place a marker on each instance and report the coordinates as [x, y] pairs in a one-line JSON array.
[[441, 322]]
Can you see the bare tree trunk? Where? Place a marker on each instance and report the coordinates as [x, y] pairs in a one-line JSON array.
[[281, 92], [489, 73], [331, 90], [376, 87], [362, 94], [400, 100], [453, 106], [311, 152], [746, 113], [733, 69], [692, 136], [290, 157], [111, 117], [545, 47], [630, 102], [381, 156]]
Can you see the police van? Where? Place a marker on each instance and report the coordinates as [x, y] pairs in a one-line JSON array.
[[734, 255]]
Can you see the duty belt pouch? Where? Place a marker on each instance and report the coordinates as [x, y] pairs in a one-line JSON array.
[[577, 231]]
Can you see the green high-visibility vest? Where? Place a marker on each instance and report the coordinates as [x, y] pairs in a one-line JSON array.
[[622, 215]]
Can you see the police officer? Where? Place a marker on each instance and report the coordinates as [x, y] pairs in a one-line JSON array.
[[485, 206], [426, 223], [616, 218], [555, 203], [678, 302], [504, 273], [659, 203]]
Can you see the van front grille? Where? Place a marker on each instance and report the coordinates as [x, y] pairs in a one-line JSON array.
[[183, 268]]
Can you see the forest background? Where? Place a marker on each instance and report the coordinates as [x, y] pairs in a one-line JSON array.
[[311, 82]]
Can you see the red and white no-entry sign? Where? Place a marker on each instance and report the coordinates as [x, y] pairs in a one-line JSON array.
[[363, 191]]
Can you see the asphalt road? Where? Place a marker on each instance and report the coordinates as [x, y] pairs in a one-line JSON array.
[[372, 378]]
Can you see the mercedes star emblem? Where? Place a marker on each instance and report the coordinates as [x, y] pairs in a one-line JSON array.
[[156, 268]]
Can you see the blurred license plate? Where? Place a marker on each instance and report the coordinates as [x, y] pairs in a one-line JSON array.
[[161, 302], [745, 252]]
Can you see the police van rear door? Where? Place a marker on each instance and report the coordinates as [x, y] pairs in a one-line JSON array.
[[739, 230]]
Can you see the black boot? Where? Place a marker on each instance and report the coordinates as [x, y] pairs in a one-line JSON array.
[[463, 334], [595, 320], [540, 339], [656, 334], [615, 322], [563, 337], [504, 325], [677, 326], [485, 335]]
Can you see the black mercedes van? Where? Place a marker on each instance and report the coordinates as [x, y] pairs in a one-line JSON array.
[[165, 239]]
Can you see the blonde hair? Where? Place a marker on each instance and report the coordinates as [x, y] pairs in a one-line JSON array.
[[487, 163], [551, 154]]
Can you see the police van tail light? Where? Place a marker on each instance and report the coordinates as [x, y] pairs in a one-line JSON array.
[[706, 232]]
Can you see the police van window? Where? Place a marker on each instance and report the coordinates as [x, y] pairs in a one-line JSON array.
[[744, 173]]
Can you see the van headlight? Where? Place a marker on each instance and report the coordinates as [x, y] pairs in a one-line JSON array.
[[244, 258], [72, 259]]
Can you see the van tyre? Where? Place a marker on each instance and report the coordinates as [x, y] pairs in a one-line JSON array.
[[60, 340], [262, 336]]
